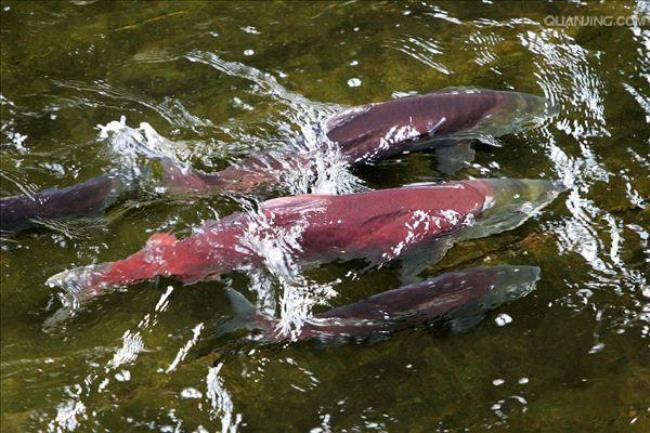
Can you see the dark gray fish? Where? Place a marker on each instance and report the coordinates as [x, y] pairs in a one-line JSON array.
[[459, 299], [87, 199], [380, 130]]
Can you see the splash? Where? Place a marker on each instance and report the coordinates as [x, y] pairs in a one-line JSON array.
[[130, 145], [281, 273], [69, 413], [169, 109], [326, 172], [299, 131]]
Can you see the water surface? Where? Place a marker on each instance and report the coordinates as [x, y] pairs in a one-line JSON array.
[[207, 83]]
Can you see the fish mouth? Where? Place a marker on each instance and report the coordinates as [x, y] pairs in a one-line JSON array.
[[510, 202]]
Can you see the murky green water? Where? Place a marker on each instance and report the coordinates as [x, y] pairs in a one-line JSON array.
[[576, 355]]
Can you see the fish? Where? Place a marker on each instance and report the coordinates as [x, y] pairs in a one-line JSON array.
[[86, 199], [380, 130], [459, 300], [361, 134], [377, 226]]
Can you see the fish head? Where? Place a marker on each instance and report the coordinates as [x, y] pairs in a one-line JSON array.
[[510, 283], [513, 112], [510, 202], [500, 284]]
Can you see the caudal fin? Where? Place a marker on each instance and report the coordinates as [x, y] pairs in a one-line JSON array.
[[246, 316], [80, 284]]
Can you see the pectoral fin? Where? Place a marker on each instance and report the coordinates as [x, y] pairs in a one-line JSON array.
[[421, 257], [454, 157], [465, 323]]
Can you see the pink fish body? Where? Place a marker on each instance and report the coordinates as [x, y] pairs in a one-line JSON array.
[[378, 225]]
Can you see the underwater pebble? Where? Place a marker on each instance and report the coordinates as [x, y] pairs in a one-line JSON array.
[[498, 382], [190, 392], [249, 52], [523, 381], [102, 385], [503, 319], [123, 376], [597, 348], [354, 82], [250, 30]]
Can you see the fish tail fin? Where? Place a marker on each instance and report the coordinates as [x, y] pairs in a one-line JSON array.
[[80, 284], [246, 316]]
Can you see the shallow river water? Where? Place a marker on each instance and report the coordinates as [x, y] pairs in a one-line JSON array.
[[83, 83]]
